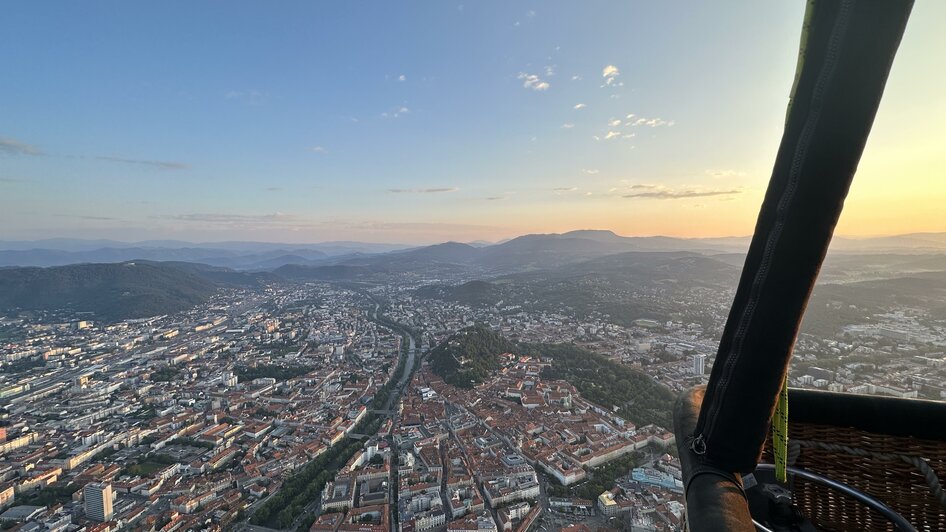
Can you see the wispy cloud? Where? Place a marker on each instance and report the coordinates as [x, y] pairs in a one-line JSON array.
[[88, 217], [719, 174], [533, 81], [576, 77], [235, 219], [422, 190], [396, 113], [318, 149], [638, 121], [549, 71], [579, 106], [590, 171], [568, 125], [162, 165], [402, 77], [273, 189], [612, 135], [10, 146], [565, 189], [610, 74], [495, 198], [660, 192]]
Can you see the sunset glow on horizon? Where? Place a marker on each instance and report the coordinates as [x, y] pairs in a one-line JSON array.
[[309, 122]]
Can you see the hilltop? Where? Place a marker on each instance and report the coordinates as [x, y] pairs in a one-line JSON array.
[[116, 291], [469, 356]]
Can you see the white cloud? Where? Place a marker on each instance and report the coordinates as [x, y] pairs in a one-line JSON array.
[[576, 77], [614, 122], [549, 71], [611, 135], [565, 189], [610, 74], [648, 122], [402, 77], [396, 113], [568, 125], [591, 171], [533, 81], [579, 106], [318, 149], [661, 192]]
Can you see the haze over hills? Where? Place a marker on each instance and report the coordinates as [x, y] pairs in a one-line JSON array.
[[521, 253], [239, 255], [585, 271], [118, 291]]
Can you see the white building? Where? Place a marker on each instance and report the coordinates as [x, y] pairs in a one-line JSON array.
[[699, 364], [98, 501]]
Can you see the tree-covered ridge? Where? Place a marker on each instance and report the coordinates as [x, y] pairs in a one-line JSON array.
[[470, 355], [110, 291], [607, 383]]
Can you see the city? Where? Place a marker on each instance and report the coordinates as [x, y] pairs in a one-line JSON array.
[[492, 266], [317, 405]]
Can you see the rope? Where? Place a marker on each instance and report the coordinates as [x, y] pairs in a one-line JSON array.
[[932, 481]]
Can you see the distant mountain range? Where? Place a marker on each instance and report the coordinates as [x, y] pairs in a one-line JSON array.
[[238, 255], [521, 253], [587, 271], [118, 291]]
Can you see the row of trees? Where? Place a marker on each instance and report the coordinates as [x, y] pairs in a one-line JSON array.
[[304, 487], [280, 373]]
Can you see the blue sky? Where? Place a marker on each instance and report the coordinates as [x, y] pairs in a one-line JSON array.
[[419, 122]]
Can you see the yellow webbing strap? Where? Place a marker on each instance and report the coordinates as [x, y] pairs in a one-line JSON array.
[[780, 433]]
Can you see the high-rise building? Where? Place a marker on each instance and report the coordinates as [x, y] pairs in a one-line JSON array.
[[98, 501], [699, 364]]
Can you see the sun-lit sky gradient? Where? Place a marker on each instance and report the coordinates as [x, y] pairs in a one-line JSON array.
[[430, 121]]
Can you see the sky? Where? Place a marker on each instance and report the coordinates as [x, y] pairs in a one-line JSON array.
[[430, 121]]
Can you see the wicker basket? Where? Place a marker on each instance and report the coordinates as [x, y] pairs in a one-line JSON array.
[[898, 484]]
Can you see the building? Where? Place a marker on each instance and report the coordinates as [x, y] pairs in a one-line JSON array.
[[98, 501], [699, 364]]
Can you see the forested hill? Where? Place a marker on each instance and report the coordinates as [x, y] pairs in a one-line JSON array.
[[470, 355], [111, 291], [610, 384]]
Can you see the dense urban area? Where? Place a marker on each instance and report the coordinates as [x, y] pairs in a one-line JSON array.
[[427, 402]]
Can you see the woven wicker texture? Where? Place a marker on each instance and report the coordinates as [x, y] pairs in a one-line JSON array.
[[898, 484]]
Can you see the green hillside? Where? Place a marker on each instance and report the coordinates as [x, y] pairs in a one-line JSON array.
[[469, 356], [112, 292]]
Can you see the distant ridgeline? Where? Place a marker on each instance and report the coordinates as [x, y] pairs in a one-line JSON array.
[[471, 355], [117, 291]]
